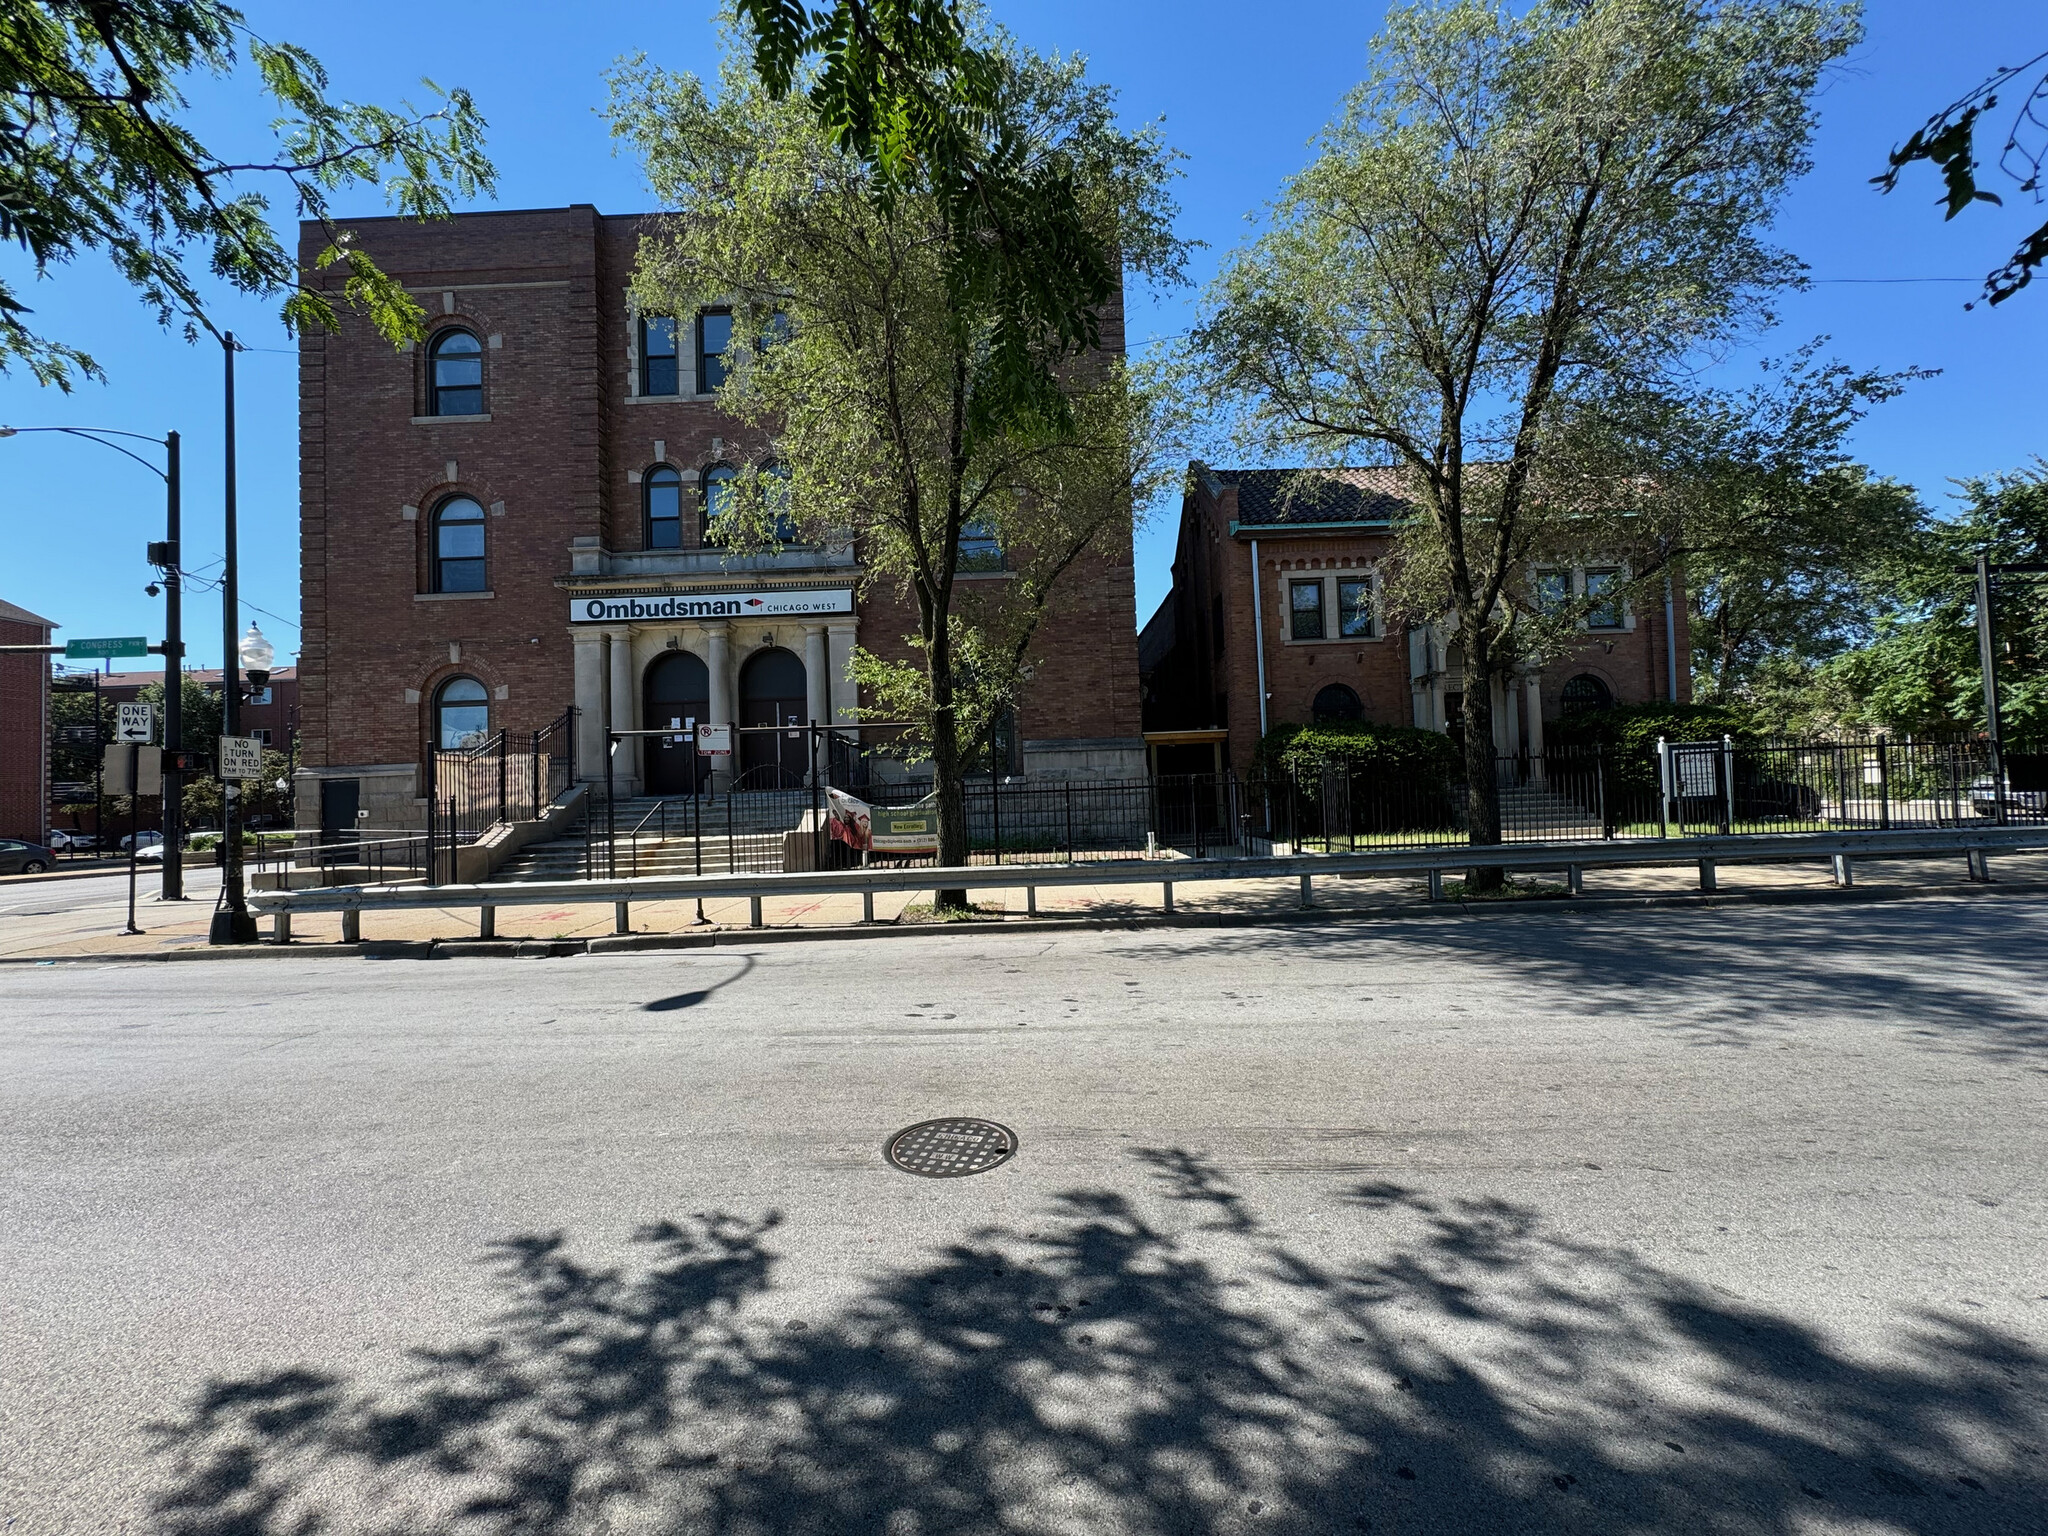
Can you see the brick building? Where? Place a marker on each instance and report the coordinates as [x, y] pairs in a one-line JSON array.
[[24, 727], [1313, 637], [509, 520], [271, 715]]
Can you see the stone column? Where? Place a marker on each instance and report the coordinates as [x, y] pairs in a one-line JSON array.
[[718, 663], [1532, 701], [624, 714], [589, 645], [817, 696], [1500, 697]]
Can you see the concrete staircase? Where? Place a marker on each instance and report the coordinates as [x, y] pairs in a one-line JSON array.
[[1531, 811], [756, 825]]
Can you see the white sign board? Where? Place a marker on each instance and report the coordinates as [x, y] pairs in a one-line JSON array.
[[669, 607], [134, 722], [714, 740], [241, 757]]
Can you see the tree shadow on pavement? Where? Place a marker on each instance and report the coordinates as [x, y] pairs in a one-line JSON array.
[[1966, 976], [1470, 1371]]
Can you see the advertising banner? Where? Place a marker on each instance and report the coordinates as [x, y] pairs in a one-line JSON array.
[[898, 829]]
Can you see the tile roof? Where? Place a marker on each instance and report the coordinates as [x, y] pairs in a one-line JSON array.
[[1277, 497]]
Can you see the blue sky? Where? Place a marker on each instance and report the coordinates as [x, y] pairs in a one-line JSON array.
[[1241, 89]]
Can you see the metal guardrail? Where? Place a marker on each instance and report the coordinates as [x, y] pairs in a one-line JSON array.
[[1842, 848]]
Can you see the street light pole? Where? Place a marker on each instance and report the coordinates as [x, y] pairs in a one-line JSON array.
[[232, 923], [174, 680], [164, 557]]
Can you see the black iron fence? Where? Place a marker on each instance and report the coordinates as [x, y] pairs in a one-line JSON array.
[[506, 776], [1568, 794], [309, 860]]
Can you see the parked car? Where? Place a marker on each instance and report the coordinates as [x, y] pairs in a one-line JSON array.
[[141, 840], [17, 858], [1769, 799], [72, 842], [154, 852], [2028, 803]]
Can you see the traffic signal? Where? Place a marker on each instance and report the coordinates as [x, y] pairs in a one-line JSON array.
[[188, 762]]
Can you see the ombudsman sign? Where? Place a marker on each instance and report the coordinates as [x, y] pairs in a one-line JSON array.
[[708, 605]]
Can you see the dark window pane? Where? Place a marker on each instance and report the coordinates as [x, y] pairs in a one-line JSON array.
[[462, 541], [718, 481], [1336, 702], [1605, 614], [658, 372], [1585, 692], [775, 486], [459, 546], [980, 549], [714, 336], [1354, 610], [664, 509], [1305, 601], [458, 375]]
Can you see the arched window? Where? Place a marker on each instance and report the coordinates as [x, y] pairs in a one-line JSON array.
[[462, 714], [664, 508], [455, 365], [718, 481], [458, 546], [1336, 702], [1584, 693], [658, 356]]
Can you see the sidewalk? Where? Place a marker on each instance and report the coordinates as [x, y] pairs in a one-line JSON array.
[[96, 933]]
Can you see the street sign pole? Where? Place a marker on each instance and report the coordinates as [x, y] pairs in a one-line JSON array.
[[134, 800]]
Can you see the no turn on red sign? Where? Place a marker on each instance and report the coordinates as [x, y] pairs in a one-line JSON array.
[[241, 757]]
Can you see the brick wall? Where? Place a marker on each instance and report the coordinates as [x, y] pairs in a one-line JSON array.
[[1212, 563], [560, 458], [24, 732]]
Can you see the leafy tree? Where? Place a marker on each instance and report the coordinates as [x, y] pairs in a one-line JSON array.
[[1948, 142], [907, 89], [1515, 217], [878, 382], [1921, 673], [94, 157]]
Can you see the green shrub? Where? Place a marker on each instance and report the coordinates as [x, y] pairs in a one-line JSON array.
[[1628, 734], [1359, 746], [1633, 729]]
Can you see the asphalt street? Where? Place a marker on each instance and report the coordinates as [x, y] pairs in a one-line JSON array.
[[36, 913], [1721, 1220]]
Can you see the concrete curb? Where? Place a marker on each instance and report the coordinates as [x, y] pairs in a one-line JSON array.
[[728, 938], [67, 872]]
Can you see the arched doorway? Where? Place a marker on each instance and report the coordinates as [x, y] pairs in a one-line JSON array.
[[1585, 693], [1336, 703], [677, 692], [772, 693]]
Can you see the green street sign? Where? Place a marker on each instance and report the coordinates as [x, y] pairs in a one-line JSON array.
[[96, 650]]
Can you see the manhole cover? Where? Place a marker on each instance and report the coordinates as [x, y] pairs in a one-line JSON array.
[[950, 1149]]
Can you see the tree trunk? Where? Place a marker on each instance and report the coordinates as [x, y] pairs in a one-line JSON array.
[[946, 777], [1482, 781]]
